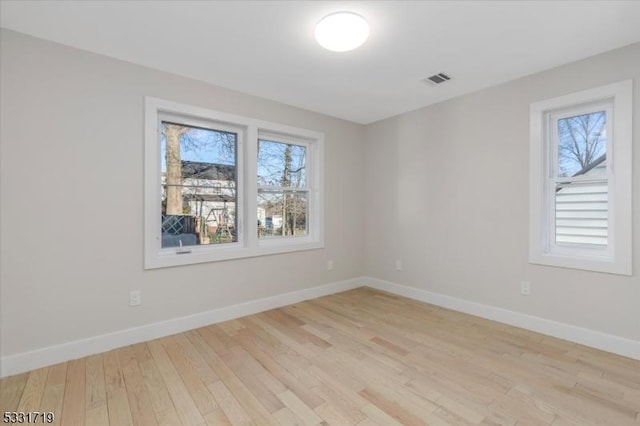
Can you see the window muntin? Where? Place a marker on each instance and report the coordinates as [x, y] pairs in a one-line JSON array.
[[199, 183]]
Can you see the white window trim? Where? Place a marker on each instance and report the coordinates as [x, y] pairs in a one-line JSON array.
[[248, 244], [617, 259]]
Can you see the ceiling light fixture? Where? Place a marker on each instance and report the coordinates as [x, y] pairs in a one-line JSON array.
[[342, 31]]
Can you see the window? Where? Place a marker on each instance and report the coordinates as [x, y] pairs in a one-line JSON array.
[[210, 177], [199, 182], [283, 193], [580, 183]]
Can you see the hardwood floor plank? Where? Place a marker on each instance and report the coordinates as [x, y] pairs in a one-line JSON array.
[[98, 416], [339, 379], [516, 406], [403, 397], [229, 404], [377, 416], [247, 341], [73, 406], [142, 412], [185, 406], [11, 389], [217, 418], [392, 408], [33, 390], [53, 396], [342, 407], [286, 417], [186, 365], [248, 362], [236, 360], [330, 415], [385, 343], [96, 392], [203, 342], [302, 411], [161, 401], [117, 398], [191, 361], [473, 414]]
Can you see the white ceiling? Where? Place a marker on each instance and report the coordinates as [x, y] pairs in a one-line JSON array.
[[266, 48]]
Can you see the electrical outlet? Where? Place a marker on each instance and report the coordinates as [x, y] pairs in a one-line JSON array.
[[330, 265], [135, 298], [398, 265], [525, 288]]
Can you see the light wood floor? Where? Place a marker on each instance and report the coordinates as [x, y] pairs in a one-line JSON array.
[[361, 357]]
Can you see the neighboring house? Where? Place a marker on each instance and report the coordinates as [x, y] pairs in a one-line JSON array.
[[209, 201], [581, 208], [208, 188]]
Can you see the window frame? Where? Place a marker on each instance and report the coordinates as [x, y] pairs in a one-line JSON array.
[[248, 244], [200, 122], [617, 257], [552, 118]]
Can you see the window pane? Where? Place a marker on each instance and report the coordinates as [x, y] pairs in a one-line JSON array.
[[582, 144], [582, 213], [282, 213], [281, 165], [198, 185]]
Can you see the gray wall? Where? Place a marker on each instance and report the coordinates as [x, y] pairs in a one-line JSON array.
[[447, 193], [72, 200]]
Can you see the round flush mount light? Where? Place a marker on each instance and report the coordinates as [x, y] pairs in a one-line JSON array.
[[342, 31]]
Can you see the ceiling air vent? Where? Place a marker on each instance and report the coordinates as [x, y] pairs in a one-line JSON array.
[[437, 78]]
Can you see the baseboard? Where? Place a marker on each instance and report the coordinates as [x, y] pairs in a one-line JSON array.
[[26, 361], [595, 339]]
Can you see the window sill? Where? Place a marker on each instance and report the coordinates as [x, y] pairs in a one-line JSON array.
[[199, 254], [587, 263]]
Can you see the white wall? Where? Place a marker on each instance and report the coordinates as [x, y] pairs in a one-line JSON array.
[[447, 192], [72, 200]]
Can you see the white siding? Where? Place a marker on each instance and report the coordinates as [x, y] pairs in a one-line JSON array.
[[582, 212]]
